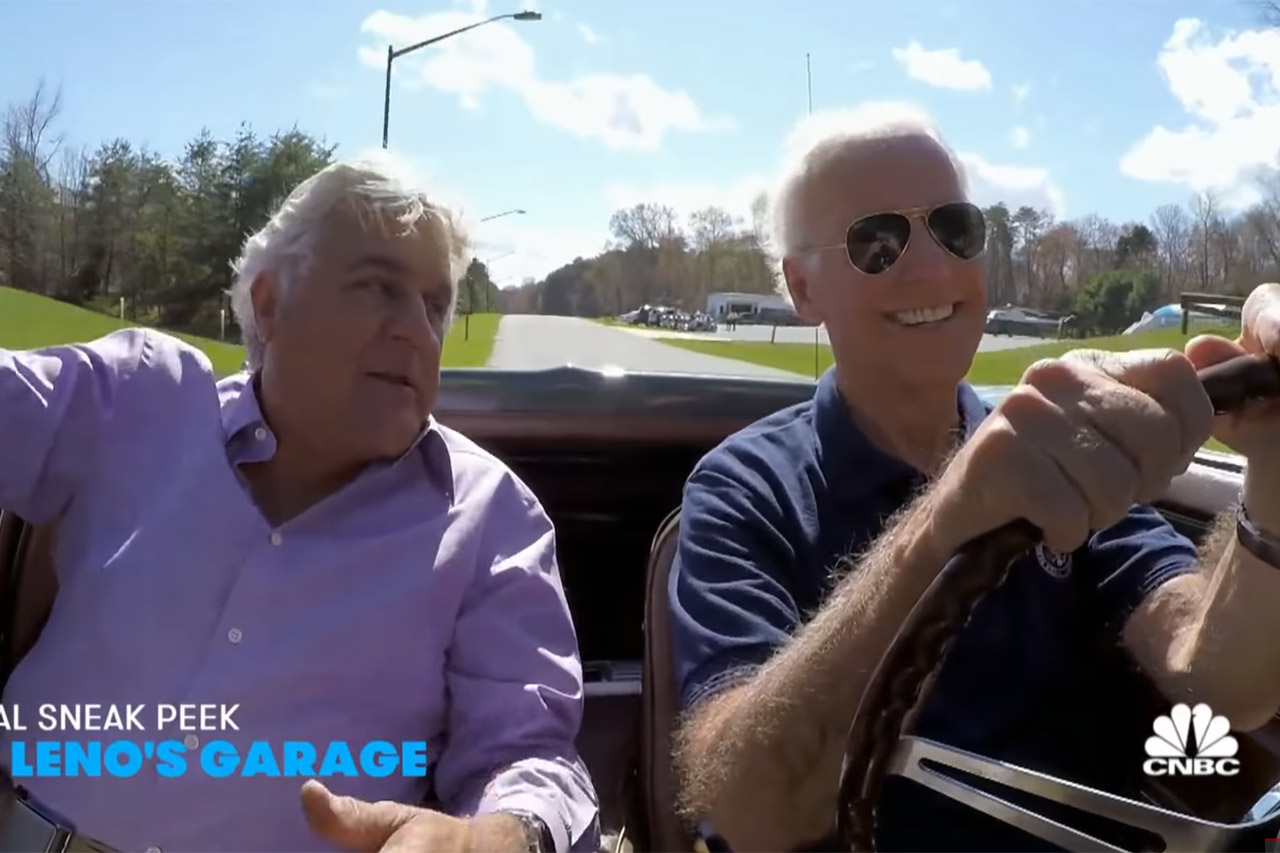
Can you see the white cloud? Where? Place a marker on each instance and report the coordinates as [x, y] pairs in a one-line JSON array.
[[988, 182], [515, 250], [1021, 92], [624, 111], [589, 35], [1230, 89], [943, 68], [1014, 185], [1019, 137], [684, 199]]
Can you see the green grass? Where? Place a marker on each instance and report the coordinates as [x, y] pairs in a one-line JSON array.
[[29, 321], [470, 340], [1002, 367]]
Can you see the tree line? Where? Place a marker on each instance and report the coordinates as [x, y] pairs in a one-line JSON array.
[[120, 225]]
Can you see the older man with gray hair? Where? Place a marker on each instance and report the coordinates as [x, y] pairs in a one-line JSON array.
[[806, 538], [304, 541]]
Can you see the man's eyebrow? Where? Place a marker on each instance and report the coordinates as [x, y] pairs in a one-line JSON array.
[[381, 261]]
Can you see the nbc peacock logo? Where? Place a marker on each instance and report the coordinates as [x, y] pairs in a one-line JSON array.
[[1191, 741]]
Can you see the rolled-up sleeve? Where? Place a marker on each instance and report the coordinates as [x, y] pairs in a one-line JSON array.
[[515, 684], [730, 592], [54, 404]]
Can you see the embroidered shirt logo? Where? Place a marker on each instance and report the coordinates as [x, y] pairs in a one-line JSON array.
[[1057, 565]]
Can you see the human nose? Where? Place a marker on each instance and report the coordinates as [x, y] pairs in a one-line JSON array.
[[924, 258], [411, 320]]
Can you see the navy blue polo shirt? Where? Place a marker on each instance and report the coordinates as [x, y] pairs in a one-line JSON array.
[[1037, 678]]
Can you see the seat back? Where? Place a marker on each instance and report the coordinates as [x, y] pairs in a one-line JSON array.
[[28, 585], [661, 701]]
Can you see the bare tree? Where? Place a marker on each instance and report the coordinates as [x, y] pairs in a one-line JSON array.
[[1205, 209]]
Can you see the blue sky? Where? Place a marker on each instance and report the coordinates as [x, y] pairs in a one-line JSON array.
[[1107, 106]]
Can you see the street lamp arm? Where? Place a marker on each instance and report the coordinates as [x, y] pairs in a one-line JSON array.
[[402, 51], [392, 53]]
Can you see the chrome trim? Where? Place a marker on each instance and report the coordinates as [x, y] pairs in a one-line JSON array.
[[1180, 832]]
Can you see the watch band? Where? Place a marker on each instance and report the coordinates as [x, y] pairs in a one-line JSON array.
[[536, 832], [1259, 543]]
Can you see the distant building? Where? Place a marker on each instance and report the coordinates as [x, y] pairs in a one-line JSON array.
[[720, 305]]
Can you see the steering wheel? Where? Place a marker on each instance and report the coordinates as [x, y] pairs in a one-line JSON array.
[[876, 747]]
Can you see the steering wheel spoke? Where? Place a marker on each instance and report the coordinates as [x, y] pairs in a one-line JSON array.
[[926, 762]]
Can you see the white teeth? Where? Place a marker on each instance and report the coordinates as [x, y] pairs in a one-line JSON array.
[[918, 316]]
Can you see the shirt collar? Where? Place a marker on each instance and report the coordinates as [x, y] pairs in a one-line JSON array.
[[852, 465], [249, 438]]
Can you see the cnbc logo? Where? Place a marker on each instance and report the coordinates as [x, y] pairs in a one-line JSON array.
[[1191, 742]]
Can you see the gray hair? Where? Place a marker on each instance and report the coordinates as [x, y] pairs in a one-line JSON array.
[[822, 139], [285, 244]]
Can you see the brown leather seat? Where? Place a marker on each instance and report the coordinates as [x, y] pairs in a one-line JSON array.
[[29, 550], [660, 707]]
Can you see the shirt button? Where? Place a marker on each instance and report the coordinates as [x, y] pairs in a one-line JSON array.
[[276, 538], [234, 635], [191, 741], [260, 434]]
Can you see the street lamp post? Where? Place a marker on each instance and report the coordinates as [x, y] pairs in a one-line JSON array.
[[392, 54], [502, 214], [487, 307]]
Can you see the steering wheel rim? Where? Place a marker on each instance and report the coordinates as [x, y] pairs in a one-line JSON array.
[[902, 680]]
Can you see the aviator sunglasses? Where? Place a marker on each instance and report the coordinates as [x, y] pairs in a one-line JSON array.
[[875, 242]]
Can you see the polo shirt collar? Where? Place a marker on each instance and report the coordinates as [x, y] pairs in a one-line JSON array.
[[249, 438], [851, 464]]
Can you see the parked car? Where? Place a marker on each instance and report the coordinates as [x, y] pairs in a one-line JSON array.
[[608, 456], [1012, 320]]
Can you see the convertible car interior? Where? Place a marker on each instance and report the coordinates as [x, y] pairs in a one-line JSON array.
[[608, 454]]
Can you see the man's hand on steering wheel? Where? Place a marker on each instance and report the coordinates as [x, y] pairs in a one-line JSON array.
[[1255, 432], [1077, 443], [1085, 436]]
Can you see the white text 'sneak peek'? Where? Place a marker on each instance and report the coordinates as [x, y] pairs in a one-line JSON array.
[[107, 718]]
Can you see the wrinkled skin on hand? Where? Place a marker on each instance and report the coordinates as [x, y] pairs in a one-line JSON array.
[[1255, 432], [384, 827], [1085, 436]]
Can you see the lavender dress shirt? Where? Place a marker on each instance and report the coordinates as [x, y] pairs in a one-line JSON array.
[[420, 602]]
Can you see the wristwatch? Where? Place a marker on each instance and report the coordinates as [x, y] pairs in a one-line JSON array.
[[536, 832], [1259, 543]]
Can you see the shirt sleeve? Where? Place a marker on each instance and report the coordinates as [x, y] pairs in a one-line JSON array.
[[515, 684], [732, 605], [1133, 558], [55, 405]]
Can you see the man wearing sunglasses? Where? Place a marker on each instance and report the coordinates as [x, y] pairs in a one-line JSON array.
[[806, 538]]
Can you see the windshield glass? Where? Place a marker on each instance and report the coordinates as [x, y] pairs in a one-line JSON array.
[[615, 163]]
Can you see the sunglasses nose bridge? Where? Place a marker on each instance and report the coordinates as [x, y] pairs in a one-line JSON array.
[[923, 250]]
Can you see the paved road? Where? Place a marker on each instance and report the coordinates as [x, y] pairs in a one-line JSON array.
[[535, 342]]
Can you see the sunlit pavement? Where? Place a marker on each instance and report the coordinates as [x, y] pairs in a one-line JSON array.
[[537, 342], [804, 335]]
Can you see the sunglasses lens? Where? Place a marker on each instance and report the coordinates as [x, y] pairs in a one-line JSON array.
[[876, 242], [960, 228]]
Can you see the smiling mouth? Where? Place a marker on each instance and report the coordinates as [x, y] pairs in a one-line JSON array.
[[919, 317], [392, 379]]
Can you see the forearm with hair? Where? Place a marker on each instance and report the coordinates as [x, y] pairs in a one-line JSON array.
[[1205, 636], [762, 761]]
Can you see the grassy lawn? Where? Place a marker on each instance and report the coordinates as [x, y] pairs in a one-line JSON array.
[[28, 321], [1003, 367], [470, 341]]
